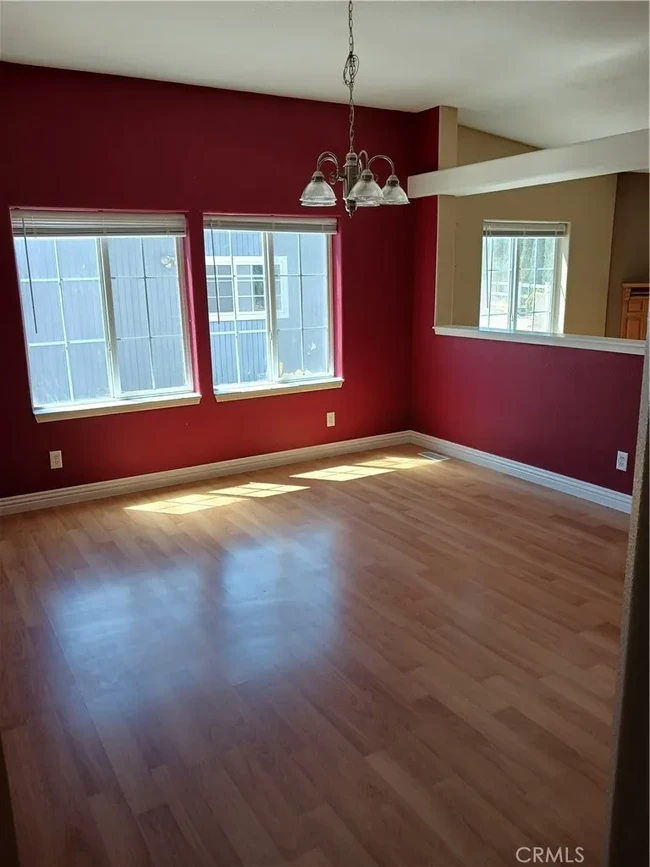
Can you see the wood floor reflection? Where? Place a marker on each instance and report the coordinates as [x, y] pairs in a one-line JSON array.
[[369, 661]]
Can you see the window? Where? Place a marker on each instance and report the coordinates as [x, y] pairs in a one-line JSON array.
[[238, 282], [103, 306], [523, 276], [269, 301]]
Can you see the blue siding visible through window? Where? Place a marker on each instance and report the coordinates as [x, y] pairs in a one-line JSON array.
[[64, 305], [148, 322], [237, 243], [65, 330], [236, 268], [251, 338]]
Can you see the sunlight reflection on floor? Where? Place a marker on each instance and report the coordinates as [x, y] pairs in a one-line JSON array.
[[342, 474], [189, 503], [395, 462], [213, 499]]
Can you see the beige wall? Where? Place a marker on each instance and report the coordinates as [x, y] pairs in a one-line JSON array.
[[630, 247], [588, 205], [475, 146]]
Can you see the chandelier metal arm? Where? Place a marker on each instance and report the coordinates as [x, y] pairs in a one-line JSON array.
[[382, 157], [328, 156]]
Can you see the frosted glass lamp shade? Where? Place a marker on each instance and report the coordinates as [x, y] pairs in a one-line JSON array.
[[318, 193], [366, 193], [394, 194]]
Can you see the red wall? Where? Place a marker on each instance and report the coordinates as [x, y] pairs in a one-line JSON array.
[[564, 410], [78, 140]]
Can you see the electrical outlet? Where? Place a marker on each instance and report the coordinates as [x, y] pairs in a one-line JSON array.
[[331, 419], [621, 461], [56, 460]]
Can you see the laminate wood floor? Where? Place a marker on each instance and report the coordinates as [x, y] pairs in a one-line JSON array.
[[368, 661]]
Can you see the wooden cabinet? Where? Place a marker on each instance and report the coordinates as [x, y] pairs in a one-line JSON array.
[[634, 311]]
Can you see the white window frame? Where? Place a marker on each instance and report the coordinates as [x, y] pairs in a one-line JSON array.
[[522, 230], [275, 384], [101, 226]]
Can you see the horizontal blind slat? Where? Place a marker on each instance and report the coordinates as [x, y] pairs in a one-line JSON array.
[[92, 223], [261, 224], [504, 229]]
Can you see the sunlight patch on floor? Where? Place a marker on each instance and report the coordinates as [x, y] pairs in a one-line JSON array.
[[394, 463], [166, 507], [189, 503], [343, 473], [260, 489], [183, 505]]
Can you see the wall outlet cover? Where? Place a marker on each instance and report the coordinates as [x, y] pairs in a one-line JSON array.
[[56, 460], [621, 461], [331, 419]]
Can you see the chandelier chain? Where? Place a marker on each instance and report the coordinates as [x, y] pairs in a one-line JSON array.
[[360, 185], [350, 70]]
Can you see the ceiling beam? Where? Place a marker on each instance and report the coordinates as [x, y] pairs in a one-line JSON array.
[[626, 152]]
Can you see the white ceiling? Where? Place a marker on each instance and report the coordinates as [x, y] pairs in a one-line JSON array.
[[546, 73]]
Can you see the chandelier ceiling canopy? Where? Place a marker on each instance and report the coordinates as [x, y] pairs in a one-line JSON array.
[[360, 187]]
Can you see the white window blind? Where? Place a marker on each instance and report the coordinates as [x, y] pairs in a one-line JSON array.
[[505, 229], [42, 224], [271, 224]]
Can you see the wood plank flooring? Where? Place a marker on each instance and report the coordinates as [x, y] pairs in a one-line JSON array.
[[368, 661]]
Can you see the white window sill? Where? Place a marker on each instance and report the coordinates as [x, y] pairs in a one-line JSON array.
[[116, 406], [275, 388], [569, 341]]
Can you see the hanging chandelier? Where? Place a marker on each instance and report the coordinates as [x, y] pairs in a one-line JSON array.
[[360, 187]]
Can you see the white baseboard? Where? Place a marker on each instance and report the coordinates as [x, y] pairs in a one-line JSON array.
[[184, 475], [575, 487]]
